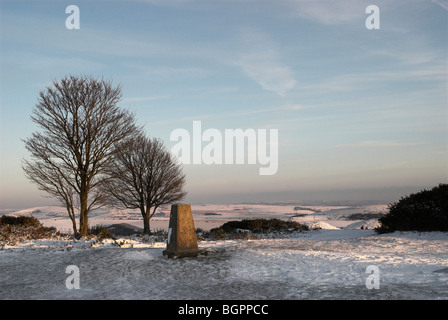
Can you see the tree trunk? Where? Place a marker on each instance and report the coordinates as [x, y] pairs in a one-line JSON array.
[[146, 228], [71, 214], [83, 214], [83, 224], [75, 231]]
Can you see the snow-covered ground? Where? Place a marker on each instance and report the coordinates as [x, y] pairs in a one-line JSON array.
[[339, 261], [207, 216]]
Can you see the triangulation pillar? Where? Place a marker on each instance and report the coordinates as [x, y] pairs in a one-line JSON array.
[[182, 240]]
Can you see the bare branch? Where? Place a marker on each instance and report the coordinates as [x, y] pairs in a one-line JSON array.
[[145, 176], [80, 124]]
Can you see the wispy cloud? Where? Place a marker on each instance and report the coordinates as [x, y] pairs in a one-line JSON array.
[[378, 144], [442, 4], [332, 12], [228, 115], [356, 81], [143, 99], [260, 60]]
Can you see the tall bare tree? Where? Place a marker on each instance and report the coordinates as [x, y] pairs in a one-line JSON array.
[[81, 124], [145, 176]]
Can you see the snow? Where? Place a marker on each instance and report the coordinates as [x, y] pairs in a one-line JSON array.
[[327, 262], [320, 225], [369, 224]]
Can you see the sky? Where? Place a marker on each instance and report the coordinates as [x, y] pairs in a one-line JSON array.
[[361, 113]]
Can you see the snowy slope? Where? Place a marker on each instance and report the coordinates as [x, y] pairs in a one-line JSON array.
[[205, 216], [329, 263], [324, 264]]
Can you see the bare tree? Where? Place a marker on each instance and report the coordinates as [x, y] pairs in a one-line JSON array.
[[145, 176], [81, 126]]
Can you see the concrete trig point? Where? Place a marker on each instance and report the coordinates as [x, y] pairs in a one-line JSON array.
[[182, 240]]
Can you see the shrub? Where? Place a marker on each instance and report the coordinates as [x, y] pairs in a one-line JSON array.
[[426, 210], [17, 229], [101, 232], [260, 225], [244, 229], [19, 221]]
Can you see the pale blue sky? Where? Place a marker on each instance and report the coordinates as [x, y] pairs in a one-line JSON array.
[[361, 114]]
